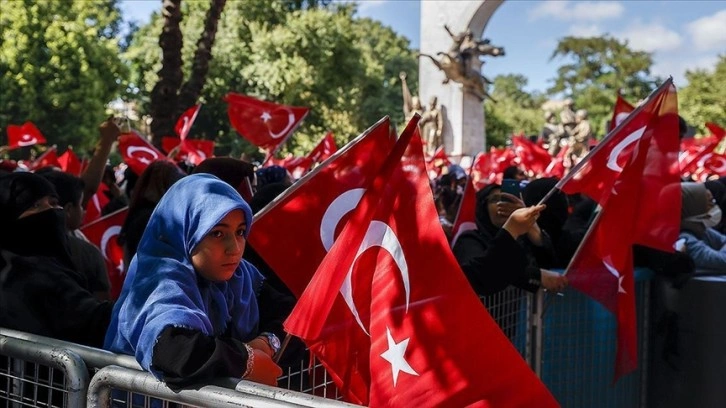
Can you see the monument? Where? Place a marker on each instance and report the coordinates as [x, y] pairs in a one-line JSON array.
[[448, 27]]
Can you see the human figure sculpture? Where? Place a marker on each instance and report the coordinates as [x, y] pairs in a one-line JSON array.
[[411, 104], [457, 63], [567, 116], [580, 137], [552, 133], [432, 125]]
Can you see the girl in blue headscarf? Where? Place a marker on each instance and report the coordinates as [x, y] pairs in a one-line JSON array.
[[189, 309]]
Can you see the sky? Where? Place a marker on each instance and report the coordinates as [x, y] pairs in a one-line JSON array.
[[681, 34]]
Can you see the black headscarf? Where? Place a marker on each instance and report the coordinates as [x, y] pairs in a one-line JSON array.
[[483, 223], [39, 234]]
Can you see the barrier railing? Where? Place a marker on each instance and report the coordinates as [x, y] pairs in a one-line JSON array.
[[38, 375], [569, 341]]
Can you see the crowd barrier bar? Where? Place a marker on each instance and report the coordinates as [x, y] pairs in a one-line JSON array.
[[76, 374], [139, 382]]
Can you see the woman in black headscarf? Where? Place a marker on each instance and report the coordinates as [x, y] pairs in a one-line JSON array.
[[718, 191], [40, 293], [507, 248]]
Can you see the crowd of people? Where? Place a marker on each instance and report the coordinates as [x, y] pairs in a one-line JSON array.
[[198, 303]]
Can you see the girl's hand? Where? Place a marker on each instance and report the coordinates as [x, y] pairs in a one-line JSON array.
[[264, 370]]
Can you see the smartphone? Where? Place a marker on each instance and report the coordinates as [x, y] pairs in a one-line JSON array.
[[511, 186]]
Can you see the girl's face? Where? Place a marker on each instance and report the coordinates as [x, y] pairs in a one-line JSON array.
[[217, 256]]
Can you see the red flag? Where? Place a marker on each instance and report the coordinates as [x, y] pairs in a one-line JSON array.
[[716, 130], [264, 124], [603, 267], [400, 335], [621, 110], [194, 151], [48, 158], [70, 163], [324, 149], [556, 168], [137, 152], [694, 158], [95, 205], [25, 135], [710, 165], [651, 130], [465, 217], [185, 121], [531, 156], [295, 231], [435, 162], [103, 233]]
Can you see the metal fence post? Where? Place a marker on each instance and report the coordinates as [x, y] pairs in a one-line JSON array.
[[537, 321], [76, 373]]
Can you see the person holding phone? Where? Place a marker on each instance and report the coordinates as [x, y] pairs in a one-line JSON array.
[[508, 247]]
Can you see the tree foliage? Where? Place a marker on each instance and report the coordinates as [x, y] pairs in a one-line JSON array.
[[595, 69], [704, 98], [320, 56], [515, 110], [59, 66]]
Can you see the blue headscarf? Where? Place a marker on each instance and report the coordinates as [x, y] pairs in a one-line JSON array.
[[162, 288]]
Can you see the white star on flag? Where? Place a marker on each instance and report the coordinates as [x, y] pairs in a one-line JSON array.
[[394, 355], [265, 116]]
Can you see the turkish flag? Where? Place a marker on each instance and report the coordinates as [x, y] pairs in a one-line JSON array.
[[602, 267], [651, 132], [48, 158], [103, 233], [556, 168], [465, 217], [694, 158], [95, 205], [70, 163], [137, 152], [716, 130], [194, 151], [294, 232], [264, 124], [621, 110], [710, 165], [185, 121], [435, 162], [25, 135], [388, 326], [324, 149], [531, 156]]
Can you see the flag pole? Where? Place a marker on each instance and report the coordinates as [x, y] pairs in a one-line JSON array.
[[584, 239], [283, 346], [610, 135]]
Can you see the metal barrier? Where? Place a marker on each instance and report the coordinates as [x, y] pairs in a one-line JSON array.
[[93, 357], [512, 309], [135, 388], [38, 375], [568, 341], [578, 349]]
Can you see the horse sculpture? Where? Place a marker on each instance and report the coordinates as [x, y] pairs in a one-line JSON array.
[[456, 63]]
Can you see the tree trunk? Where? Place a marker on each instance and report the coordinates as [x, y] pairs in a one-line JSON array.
[[164, 97], [192, 88]]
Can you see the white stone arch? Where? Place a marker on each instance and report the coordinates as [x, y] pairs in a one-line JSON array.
[[464, 133]]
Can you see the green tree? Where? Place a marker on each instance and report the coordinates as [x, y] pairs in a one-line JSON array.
[[345, 69], [596, 68], [59, 67], [704, 98], [515, 110]]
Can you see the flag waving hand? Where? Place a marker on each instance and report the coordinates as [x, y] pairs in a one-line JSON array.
[[391, 315]]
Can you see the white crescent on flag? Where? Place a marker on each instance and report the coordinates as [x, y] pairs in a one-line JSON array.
[[131, 151], [615, 153], [284, 131], [27, 140], [342, 205], [381, 235]]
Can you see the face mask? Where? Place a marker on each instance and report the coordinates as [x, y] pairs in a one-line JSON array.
[[714, 217], [710, 219]]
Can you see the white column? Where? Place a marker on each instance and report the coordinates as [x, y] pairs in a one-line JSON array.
[[464, 133]]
